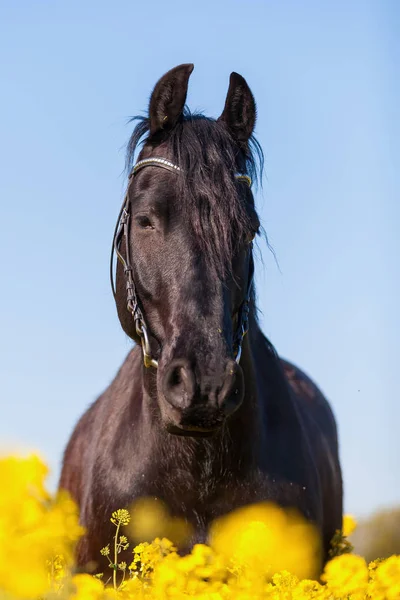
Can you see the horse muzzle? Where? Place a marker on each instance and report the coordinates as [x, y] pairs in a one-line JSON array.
[[197, 404]]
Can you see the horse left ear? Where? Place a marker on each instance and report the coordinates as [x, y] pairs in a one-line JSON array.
[[239, 113], [168, 98]]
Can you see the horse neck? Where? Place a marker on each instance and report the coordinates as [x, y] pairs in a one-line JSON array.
[[266, 372]]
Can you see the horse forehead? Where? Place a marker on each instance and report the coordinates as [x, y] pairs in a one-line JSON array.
[[153, 179]]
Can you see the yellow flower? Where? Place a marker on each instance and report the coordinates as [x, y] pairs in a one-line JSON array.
[[260, 552], [349, 525], [347, 575], [120, 517], [308, 589], [266, 539], [151, 519], [32, 525], [87, 588], [386, 581]]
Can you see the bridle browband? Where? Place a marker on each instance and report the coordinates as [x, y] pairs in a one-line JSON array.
[[121, 232]]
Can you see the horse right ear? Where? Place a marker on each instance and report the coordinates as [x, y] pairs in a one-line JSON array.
[[168, 98], [239, 114]]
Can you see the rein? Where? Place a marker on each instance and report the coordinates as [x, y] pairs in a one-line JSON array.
[[121, 232]]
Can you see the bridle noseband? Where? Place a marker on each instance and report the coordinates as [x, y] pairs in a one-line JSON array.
[[122, 232]]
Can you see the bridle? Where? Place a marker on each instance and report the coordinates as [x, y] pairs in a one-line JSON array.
[[121, 232]]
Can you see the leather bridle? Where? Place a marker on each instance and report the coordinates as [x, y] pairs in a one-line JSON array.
[[121, 232]]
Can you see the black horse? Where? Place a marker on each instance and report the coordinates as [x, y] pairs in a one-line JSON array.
[[200, 415]]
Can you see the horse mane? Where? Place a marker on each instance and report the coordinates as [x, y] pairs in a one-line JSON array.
[[208, 157]]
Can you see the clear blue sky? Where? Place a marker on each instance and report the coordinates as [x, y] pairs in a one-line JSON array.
[[326, 79]]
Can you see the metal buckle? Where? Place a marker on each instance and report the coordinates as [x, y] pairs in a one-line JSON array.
[[124, 216], [141, 330], [238, 354]]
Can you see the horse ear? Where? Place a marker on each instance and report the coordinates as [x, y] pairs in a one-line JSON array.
[[239, 113], [168, 98]]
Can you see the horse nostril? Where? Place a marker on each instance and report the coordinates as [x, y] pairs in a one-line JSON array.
[[178, 384], [175, 378], [231, 395]]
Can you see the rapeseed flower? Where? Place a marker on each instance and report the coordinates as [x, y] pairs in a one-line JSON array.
[[34, 528], [347, 575], [258, 552], [266, 539], [349, 525]]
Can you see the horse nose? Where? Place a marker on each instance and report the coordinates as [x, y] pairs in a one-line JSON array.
[[179, 384], [224, 393]]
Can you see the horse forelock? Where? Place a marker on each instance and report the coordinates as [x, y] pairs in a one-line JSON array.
[[209, 195]]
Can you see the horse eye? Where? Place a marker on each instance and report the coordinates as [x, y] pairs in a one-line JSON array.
[[144, 222]]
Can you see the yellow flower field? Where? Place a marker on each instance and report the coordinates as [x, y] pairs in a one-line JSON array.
[[257, 552]]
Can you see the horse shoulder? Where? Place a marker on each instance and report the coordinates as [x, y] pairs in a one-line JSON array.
[[71, 477], [86, 439], [320, 422], [311, 400]]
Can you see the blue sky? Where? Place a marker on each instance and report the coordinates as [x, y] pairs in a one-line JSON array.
[[326, 80]]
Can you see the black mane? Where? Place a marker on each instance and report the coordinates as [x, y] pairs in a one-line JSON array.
[[208, 158]]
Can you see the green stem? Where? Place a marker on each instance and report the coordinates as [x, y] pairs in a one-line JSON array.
[[116, 555]]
